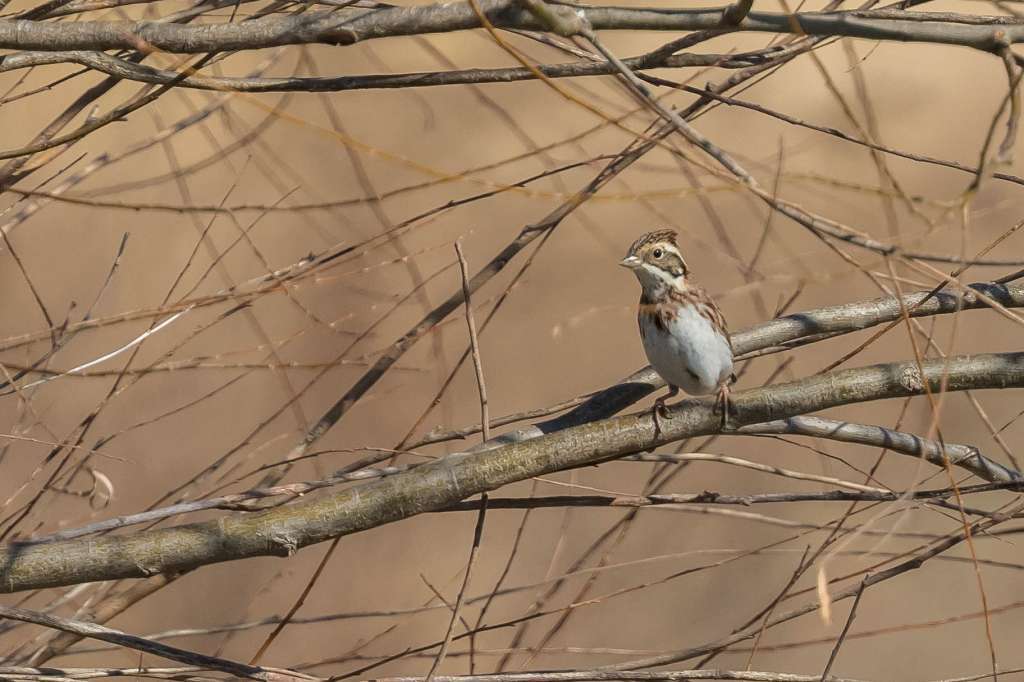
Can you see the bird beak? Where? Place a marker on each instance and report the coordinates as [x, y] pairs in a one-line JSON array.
[[631, 262]]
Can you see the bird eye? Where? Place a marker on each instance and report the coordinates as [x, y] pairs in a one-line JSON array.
[[658, 253]]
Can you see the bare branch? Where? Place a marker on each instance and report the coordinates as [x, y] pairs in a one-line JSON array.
[[713, 497], [105, 634], [142, 73], [437, 485], [776, 335], [350, 26], [965, 456], [600, 675]]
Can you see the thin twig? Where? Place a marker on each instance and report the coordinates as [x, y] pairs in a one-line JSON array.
[[629, 676], [846, 629], [485, 420]]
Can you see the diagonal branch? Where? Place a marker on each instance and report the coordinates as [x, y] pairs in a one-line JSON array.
[[965, 456], [105, 634], [442, 483], [782, 333]]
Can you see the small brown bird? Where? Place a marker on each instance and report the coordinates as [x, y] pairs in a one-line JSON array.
[[684, 333]]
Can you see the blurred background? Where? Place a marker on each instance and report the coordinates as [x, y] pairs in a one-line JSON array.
[[173, 220]]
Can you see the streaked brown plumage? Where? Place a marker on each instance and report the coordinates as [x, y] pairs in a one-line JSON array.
[[685, 334]]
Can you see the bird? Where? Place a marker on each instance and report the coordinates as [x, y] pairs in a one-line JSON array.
[[684, 333]]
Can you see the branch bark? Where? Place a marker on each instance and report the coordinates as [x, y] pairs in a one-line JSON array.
[[965, 456], [440, 484], [349, 26], [782, 333]]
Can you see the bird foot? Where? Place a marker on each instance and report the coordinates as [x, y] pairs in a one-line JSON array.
[[660, 412], [725, 407]]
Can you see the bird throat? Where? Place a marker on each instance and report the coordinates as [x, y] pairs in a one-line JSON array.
[[660, 291]]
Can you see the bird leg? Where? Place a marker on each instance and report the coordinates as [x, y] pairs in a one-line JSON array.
[[660, 411], [724, 405]]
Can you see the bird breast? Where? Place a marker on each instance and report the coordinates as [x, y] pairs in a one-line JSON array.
[[686, 349]]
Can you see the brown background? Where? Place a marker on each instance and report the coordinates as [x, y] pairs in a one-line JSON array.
[[568, 328]]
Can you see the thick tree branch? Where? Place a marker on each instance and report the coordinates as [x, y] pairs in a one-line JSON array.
[[440, 484], [349, 26], [781, 333]]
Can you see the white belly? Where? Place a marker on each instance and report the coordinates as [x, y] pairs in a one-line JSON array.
[[691, 355]]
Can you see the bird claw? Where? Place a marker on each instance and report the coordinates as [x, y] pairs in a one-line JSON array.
[[726, 407], [659, 412]]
